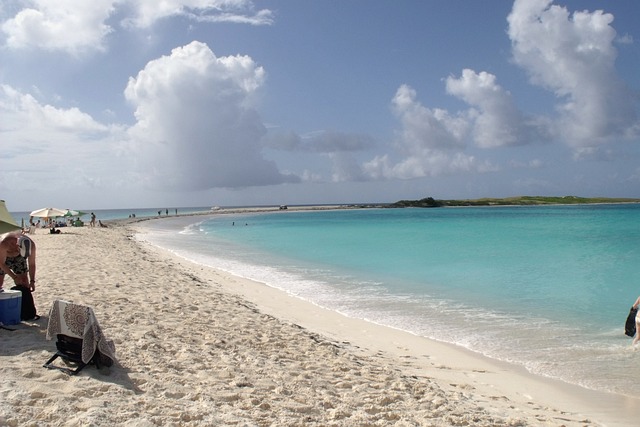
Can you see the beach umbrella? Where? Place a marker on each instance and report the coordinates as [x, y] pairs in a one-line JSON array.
[[7, 223], [71, 212], [48, 213]]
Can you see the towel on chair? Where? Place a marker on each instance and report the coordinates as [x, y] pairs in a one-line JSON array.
[[79, 321]]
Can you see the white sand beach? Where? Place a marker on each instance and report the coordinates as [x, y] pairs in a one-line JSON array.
[[200, 347]]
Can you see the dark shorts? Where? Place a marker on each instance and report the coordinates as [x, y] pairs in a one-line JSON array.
[[17, 264]]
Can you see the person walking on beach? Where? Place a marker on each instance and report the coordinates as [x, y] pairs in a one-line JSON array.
[[18, 260], [93, 220]]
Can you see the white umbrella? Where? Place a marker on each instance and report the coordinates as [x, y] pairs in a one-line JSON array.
[[48, 213]]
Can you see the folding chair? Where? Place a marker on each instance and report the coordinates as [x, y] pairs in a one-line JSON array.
[[79, 338]]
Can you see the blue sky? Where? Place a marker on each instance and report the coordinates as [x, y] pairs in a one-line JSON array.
[[128, 104]]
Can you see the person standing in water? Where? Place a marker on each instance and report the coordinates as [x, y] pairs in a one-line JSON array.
[[636, 337]]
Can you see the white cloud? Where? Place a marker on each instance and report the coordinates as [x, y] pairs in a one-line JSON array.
[[22, 112], [47, 148], [79, 26], [430, 141], [497, 121], [573, 56], [196, 126], [238, 11], [69, 25], [625, 39], [424, 128]]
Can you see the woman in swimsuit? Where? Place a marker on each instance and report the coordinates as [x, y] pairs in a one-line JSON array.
[[18, 260]]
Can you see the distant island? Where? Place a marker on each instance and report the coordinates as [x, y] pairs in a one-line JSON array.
[[430, 202]]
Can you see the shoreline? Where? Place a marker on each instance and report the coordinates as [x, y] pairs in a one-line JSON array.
[[444, 361], [197, 346]]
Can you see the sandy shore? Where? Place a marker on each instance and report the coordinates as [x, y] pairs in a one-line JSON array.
[[197, 346]]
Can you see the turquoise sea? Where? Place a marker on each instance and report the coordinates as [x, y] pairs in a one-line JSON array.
[[545, 287]]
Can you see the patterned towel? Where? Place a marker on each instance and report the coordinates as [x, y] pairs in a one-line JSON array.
[[79, 321]]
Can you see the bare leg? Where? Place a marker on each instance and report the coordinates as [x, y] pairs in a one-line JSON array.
[[636, 337]]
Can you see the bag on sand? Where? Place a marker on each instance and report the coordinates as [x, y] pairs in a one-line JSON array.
[[28, 309], [630, 325]]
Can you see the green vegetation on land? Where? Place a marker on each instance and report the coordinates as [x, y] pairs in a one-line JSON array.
[[430, 202]]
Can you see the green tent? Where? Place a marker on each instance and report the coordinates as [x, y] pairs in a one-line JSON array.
[[7, 223], [71, 212]]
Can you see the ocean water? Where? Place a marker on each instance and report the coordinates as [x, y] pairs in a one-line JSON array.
[[545, 287]]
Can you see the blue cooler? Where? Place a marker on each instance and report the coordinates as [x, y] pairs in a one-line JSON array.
[[10, 307]]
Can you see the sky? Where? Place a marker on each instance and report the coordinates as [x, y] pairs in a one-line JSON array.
[[114, 104]]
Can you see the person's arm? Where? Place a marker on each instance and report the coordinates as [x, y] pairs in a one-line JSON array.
[[3, 266], [635, 304], [7, 270], [32, 267]]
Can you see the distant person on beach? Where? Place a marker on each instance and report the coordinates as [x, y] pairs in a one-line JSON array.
[[93, 220], [636, 337], [18, 260]]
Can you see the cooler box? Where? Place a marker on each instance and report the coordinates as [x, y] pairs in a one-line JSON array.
[[10, 304]]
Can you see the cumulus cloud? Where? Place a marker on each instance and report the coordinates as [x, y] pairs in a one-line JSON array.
[[424, 128], [573, 56], [434, 141], [78, 26], [430, 141], [53, 146], [196, 126], [496, 120], [68, 25], [22, 111]]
